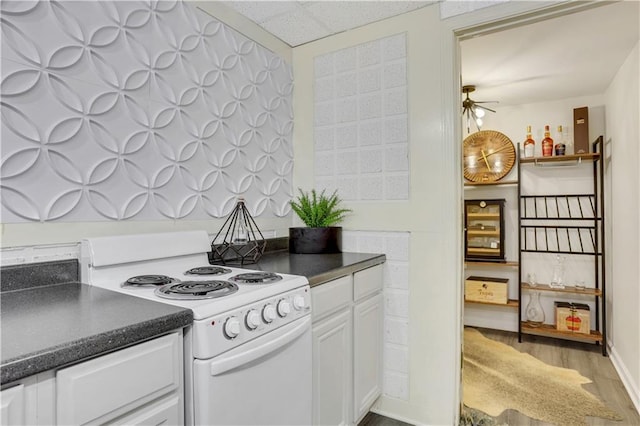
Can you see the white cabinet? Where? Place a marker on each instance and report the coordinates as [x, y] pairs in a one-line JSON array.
[[126, 382], [332, 357], [367, 354], [142, 384], [347, 347], [30, 401], [332, 369], [13, 407]]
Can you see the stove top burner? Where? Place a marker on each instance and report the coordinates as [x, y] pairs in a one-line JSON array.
[[256, 278], [194, 290], [208, 270], [150, 280]]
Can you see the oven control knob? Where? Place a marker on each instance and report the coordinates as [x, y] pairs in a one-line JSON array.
[[232, 327], [284, 307], [269, 313], [253, 319], [299, 302]]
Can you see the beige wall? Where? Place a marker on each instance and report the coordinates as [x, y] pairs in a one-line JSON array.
[[430, 215], [623, 131]]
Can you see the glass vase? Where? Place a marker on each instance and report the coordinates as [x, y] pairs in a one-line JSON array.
[[534, 312], [557, 276]]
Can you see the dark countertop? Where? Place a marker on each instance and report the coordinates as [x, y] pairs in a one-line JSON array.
[[318, 268], [50, 326]]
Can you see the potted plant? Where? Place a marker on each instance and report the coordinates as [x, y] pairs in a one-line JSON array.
[[320, 213]]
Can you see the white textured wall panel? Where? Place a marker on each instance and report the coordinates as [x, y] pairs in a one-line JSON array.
[[139, 110], [360, 121]]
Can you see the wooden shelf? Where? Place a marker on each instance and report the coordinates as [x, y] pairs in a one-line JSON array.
[[490, 264], [549, 330], [562, 159], [498, 183], [567, 289], [483, 232], [477, 216], [483, 251], [511, 303]]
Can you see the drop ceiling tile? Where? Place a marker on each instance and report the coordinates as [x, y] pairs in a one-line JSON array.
[[260, 11], [344, 15], [296, 28]]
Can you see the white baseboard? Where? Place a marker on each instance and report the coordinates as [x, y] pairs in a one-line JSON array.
[[627, 380]]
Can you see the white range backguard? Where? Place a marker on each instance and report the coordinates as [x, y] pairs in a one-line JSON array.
[[247, 355]]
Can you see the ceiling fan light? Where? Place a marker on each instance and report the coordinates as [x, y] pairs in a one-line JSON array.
[[479, 112], [479, 123]]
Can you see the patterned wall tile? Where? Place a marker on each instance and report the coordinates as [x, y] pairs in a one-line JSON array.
[[346, 136], [369, 108], [396, 385], [140, 110]]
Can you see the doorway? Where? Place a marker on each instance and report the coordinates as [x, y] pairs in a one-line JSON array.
[[515, 72]]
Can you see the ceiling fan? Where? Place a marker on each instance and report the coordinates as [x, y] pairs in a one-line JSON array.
[[472, 110]]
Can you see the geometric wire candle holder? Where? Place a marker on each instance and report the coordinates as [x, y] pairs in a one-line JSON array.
[[240, 244]]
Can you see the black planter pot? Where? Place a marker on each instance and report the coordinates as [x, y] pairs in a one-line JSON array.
[[315, 240]]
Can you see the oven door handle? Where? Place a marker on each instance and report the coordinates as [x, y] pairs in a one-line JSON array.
[[224, 363]]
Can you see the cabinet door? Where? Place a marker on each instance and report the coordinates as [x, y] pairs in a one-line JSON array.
[[367, 354], [12, 406], [332, 370], [109, 386]]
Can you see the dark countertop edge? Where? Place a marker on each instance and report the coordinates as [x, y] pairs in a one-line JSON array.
[[319, 279], [96, 345]]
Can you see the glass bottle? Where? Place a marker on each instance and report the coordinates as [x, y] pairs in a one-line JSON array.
[[534, 312], [557, 276], [568, 141], [547, 143], [529, 144], [560, 148]]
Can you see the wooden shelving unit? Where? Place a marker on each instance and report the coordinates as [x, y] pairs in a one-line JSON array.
[[498, 183], [568, 224], [491, 267], [587, 291], [511, 303], [548, 330], [508, 264], [563, 159]]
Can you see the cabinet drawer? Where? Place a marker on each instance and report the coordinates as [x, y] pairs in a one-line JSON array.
[[331, 297], [367, 281], [98, 390], [167, 411]]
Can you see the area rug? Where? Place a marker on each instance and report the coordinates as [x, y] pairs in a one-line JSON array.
[[497, 377]]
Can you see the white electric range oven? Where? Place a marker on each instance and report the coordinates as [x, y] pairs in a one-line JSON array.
[[248, 352]]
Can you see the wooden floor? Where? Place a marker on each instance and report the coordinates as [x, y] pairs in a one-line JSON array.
[[586, 359], [373, 419]]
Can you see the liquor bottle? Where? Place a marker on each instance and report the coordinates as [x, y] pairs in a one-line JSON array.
[[529, 144], [560, 148], [547, 143]]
